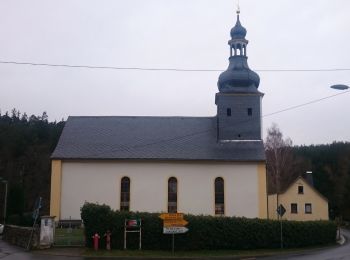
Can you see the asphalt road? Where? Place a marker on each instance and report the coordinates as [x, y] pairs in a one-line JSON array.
[[335, 253], [9, 252]]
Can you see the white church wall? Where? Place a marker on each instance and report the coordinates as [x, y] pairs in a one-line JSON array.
[[100, 182]]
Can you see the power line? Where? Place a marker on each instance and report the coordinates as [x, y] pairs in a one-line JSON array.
[[161, 69], [305, 104]]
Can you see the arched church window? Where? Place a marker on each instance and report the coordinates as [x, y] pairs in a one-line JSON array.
[[125, 194], [172, 195], [219, 196]]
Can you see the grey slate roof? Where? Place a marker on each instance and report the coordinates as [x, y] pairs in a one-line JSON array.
[[158, 138]]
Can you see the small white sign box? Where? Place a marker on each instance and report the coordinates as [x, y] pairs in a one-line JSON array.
[[47, 230], [174, 230]]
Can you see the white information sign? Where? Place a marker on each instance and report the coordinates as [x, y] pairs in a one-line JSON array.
[[174, 230]]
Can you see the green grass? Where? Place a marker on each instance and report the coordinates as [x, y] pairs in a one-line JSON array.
[[69, 237], [199, 253]]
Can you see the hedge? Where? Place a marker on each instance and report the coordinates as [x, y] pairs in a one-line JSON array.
[[205, 232], [23, 220]]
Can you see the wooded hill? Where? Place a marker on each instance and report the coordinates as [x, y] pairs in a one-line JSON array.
[[26, 144], [330, 164]]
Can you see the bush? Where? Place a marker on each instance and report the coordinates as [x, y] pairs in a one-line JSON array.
[[205, 232], [23, 220]]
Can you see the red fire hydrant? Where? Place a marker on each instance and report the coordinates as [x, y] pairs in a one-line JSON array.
[[108, 239], [96, 238]]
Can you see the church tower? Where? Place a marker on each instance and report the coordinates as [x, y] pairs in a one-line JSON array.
[[238, 100]]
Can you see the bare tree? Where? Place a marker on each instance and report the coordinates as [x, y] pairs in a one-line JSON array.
[[280, 160]]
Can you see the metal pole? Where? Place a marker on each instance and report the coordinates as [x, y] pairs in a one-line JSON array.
[[5, 204], [31, 233], [277, 190], [338, 233], [140, 236], [124, 234], [281, 233], [278, 215]]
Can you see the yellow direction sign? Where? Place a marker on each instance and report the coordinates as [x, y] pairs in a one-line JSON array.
[[174, 223], [166, 216], [173, 220]]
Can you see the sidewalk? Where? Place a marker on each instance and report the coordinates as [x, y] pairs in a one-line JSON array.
[[8, 249], [11, 252]]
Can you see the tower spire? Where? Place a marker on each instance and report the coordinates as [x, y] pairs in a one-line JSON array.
[[238, 77], [238, 100]]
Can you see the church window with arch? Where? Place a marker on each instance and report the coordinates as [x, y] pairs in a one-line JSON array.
[[219, 196], [125, 194], [172, 195]]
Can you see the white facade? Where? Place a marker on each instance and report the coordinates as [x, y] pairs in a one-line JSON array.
[[99, 182]]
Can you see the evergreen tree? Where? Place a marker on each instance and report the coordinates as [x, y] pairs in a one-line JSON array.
[[26, 144]]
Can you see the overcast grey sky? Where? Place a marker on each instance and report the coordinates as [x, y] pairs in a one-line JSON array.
[[189, 34]]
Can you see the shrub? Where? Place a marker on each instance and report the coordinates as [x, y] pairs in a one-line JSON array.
[[205, 232], [23, 220]]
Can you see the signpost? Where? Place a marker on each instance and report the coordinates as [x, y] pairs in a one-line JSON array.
[[173, 223], [132, 226], [280, 211], [174, 230], [171, 216], [35, 215], [173, 220]]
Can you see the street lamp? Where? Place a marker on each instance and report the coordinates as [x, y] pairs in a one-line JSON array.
[[5, 203], [340, 87], [339, 218]]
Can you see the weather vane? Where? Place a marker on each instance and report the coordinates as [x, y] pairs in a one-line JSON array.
[[238, 9]]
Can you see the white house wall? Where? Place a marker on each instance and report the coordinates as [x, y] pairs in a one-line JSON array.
[[100, 182]]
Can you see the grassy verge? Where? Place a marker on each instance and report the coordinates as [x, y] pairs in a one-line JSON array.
[[199, 253], [69, 237]]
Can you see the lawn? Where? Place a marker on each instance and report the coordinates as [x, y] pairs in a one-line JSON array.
[[199, 253], [69, 237]]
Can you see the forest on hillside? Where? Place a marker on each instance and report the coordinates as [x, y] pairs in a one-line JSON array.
[[329, 164], [26, 143]]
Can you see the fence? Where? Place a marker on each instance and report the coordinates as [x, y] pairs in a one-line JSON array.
[[69, 233]]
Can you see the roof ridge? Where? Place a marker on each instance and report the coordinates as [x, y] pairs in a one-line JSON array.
[[157, 117]]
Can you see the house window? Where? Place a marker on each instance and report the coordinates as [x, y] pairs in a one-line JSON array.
[[300, 189], [308, 208], [172, 195], [219, 196], [250, 111], [125, 194], [228, 111], [293, 208]]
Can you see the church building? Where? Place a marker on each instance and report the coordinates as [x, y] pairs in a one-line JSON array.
[[196, 165]]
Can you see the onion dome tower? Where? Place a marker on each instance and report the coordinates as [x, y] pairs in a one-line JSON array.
[[238, 100]]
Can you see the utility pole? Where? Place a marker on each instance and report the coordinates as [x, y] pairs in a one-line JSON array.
[[5, 202], [279, 207]]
